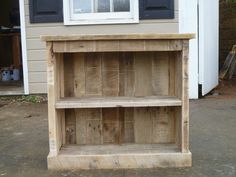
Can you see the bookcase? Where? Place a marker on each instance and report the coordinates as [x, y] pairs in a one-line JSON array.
[[118, 101]]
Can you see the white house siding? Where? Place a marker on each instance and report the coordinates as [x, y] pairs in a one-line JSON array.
[[36, 48]]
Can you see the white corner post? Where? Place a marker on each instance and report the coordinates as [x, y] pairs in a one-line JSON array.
[[23, 47], [188, 23], [208, 44]]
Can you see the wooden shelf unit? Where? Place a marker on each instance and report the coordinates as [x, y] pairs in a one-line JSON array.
[[118, 101]]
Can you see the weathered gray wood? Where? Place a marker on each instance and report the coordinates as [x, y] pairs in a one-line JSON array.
[[185, 99], [70, 126], [54, 142], [143, 74], [117, 37], [109, 102], [119, 157], [107, 90]]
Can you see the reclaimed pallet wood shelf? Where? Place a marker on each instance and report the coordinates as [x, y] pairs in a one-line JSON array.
[[118, 101], [129, 156], [110, 102]]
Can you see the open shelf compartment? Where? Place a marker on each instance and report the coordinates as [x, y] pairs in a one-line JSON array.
[[144, 137], [119, 74]]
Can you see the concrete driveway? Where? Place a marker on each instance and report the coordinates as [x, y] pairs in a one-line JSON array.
[[24, 143]]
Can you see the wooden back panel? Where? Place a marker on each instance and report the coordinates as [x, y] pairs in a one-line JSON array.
[[120, 74], [120, 125]]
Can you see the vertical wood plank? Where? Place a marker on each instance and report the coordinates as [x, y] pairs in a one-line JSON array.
[[172, 124], [178, 126], [143, 74], [110, 74], [160, 74], [185, 98], [178, 75], [110, 119], [52, 95], [60, 76], [88, 126], [142, 125], [93, 75], [79, 75], [172, 66], [68, 75], [59, 128], [121, 123], [127, 74], [163, 125], [70, 124], [93, 132], [94, 126], [128, 125], [63, 126], [81, 126]]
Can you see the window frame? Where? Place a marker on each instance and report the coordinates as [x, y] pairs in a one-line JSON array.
[[100, 18]]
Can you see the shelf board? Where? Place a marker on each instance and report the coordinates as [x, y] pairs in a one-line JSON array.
[[119, 156], [117, 149], [110, 102]]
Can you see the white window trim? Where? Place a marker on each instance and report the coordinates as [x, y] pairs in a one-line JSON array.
[[101, 18]]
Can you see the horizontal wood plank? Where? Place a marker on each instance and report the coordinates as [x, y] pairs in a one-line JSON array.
[[117, 46], [109, 102], [119, 156], [116, 37]]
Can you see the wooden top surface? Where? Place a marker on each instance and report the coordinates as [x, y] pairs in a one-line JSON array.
[[117, 37]]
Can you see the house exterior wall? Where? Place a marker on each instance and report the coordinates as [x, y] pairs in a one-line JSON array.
[[36, 49]]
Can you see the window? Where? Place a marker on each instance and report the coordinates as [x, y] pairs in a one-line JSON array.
[[100, 11]]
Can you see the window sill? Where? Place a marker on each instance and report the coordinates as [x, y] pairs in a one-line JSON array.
[[101, 22]]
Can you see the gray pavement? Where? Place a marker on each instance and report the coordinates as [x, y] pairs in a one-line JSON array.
[[24, 143]]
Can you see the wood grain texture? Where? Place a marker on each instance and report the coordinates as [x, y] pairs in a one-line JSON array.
[[93, 75], [163, 125], [110, 74], [88, 126], [185, 99], [160, 74], [125, 74], [117, 37], [109, 102], [119, 157], [111, 127], [103, 126], [120, 125], [171, 73], [68, 75], [70, 126], [154, 125], [119, 46], [53, 125], [143, 122], [118, 101], [79, 74], [143, 74]]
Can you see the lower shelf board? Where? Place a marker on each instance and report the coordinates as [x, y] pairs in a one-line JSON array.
[[119, 157]]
